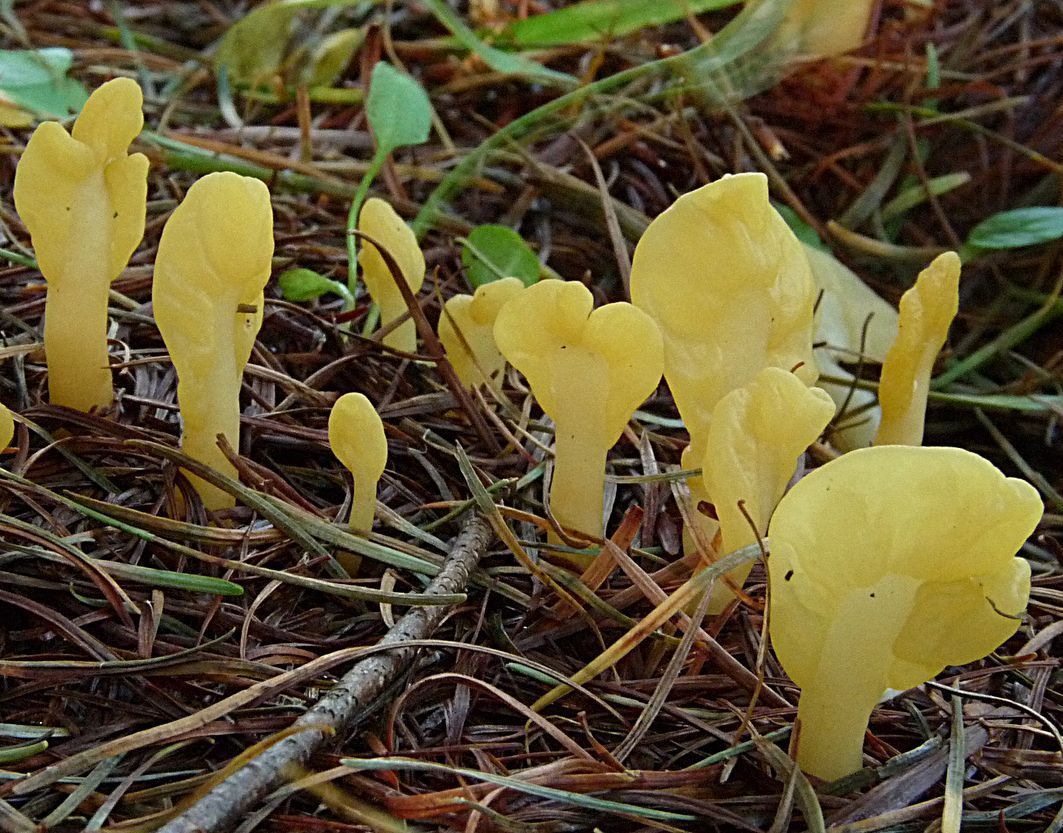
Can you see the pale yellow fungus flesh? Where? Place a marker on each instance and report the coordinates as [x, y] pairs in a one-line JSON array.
[[356, 436], [212, 266], [379, 221], [7, 427], [466, 330], [757, 434], [926, 311], [888, 564], [83, 198], [588, 371]]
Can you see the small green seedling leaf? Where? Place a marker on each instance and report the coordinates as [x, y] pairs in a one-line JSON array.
[[398, 109], [306, 285], [493, 252], [36, 81], [253, 48], [331, 56], [1018, 228]]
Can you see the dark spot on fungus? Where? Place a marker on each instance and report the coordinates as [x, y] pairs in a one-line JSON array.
[[789, 575], [115, 217], [872, 595]]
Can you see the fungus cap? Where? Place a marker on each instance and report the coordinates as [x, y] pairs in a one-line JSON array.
[[473, 353]]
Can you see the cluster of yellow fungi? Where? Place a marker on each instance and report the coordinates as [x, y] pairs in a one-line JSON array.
[[886, 564]]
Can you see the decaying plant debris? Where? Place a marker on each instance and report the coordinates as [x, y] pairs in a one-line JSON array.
[[688, 730]]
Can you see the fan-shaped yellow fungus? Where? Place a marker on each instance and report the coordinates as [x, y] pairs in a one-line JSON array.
[[213, 262], [7, 427], [588, 371], [356, 436], [886, 565], [756, 436], [730, 288], [83, 198], [853, 324], [927, 310], [473, 353], [379, 221]]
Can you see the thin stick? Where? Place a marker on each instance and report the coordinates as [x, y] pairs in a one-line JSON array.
[[231, 801]]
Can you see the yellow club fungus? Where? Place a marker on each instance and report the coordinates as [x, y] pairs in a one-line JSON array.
[[888, 564], [83, 197], [757, 434], [729, 286], [212, 266], [927, 310], [379, 222], [588, 371], [356, 436], [466, 330], [7, 427]]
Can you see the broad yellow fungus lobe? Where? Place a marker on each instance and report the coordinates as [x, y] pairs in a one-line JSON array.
[[588, 371], [887, 564], [83, 197], [729, 286], [926, 311], [212, 266], [379, 222], [356, 435], [466, 330], [757, 434]]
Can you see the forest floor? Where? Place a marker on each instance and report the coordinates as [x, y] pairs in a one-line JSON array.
[[126, 696]]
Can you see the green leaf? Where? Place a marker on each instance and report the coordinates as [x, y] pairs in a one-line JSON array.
[[594, 21], [1018, 228], [398, 109], [330, 57], [306, 285], [492, 252], [802, 230], [253, 48], [36, 80]]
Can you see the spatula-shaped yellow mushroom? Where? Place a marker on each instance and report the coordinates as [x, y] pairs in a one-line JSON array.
[[356, 436], [927, 310], [473, 353], [7, 427], [756, 436], [853, 324], [887, 564], [588, 371], [213, 263], [730, 288], [83, 199], [379, 221]]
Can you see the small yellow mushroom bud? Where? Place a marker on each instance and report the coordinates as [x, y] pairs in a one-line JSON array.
[[756, 436], [212, 266], [379, 221], [83, 198], [888, 564], [466, 330], [589, 371], [927, 310], [356, 436]]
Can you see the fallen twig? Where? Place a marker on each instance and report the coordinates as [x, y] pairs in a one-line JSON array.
[[233, 798]]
